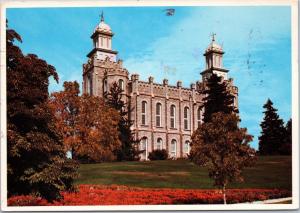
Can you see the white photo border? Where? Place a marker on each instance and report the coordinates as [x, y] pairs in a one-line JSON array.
[[146, 3]]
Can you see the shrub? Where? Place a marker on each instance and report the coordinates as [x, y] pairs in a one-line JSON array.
[[158, 154]]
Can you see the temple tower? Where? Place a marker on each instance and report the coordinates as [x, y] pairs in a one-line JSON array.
[[103, 68], [214, 61]]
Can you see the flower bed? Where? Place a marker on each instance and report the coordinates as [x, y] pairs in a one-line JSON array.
[[122, 195]]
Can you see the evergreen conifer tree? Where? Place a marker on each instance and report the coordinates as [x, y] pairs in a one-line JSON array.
[[129, 145], [217, 98], [286, 147], [273, 131]]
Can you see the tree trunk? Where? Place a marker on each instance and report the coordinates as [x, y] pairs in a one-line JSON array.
[[224, 194]]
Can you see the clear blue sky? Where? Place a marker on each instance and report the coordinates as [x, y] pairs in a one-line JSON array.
[[256, 41]]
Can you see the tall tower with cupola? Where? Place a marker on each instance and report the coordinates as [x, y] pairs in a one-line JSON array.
[[214, 61], [102, 42], [103, 68]]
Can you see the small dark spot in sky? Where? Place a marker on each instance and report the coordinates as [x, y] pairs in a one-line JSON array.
[[169, 11]]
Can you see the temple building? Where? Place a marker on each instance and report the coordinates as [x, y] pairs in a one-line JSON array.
[[164, 116]]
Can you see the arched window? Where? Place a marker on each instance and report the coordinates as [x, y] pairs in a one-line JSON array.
[[186, 147], [105, 86], [144, 112], [173, 148], [172, 116], [159, 144], [199, 117], [158, 114], [121, 84], [186, 115], [144, 147]]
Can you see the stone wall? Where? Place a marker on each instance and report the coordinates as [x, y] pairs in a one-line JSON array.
[[166, 95]]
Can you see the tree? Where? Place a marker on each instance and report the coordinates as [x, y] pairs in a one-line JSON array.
[[222, 147], [88, 125], [66, 106], [128, 150], [286, 147], [36, 161], [273, 131], [217, 98], [97, 131]]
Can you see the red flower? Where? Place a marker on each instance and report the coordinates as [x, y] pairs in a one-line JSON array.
[[123, 195]]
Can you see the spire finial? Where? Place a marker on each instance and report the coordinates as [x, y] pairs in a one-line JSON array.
[[102, 16], [213, 36]]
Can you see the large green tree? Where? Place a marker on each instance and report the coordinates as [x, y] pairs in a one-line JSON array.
[[273, 131], [217, 98], [128, 150], [36, 160], [222, 147]]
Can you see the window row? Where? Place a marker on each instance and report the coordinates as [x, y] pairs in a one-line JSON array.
[[158, 116], [159, 145]]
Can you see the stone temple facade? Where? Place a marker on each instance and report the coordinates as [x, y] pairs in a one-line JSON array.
[[164, 115]]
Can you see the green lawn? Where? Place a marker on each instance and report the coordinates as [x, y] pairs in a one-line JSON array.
[[269, 172]]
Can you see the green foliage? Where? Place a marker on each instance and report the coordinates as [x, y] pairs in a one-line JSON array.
[[218, 98], [222, 147], [158, 154], [36, 159], [273, 131], [115, 99]]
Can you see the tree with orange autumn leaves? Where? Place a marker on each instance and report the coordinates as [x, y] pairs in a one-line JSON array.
[[89, 126]]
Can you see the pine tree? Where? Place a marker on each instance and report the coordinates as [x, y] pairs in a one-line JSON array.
[[129, 146], [286, 147], [217, 98], [36, 160], [273, 131]]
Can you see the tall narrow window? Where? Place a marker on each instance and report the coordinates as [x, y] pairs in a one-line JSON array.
[[144, 111], [186, 115], [159, 144], [199, 117], [158, 114], [172, 116], [91, 85], [187, 147], [121, 84], [105, 86], [144, 147], [101, 42], [173, 148]]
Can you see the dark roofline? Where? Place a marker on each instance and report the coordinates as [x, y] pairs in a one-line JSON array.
[[214, 68], [102, 50]]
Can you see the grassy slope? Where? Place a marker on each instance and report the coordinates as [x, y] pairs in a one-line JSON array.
[[269, 172]]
